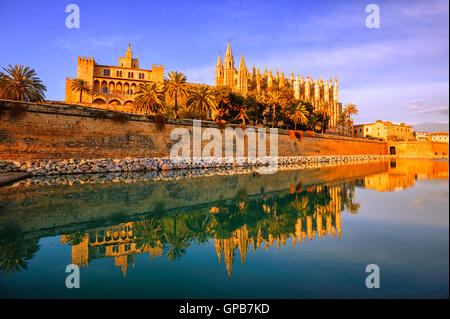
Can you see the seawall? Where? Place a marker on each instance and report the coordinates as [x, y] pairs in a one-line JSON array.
[[32, 131]]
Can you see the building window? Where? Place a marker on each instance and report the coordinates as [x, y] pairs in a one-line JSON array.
[[105, 90], [130, 75], [106, 72], [119, 73], [141, 76]]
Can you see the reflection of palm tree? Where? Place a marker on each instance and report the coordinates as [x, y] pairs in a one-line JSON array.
[[178, 242], [201, 227], [301, 206], [75, 238], [351, 206], [148, 233], [14, 256]]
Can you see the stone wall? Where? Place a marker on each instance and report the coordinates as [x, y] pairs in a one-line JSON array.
[[31, 131], [424, 149]]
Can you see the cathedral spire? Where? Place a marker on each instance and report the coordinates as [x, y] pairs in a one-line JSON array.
[[242, 63], [219, 61], [228, 53], [228, 61]]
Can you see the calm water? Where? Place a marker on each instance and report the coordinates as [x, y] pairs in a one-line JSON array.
[[295, 234]]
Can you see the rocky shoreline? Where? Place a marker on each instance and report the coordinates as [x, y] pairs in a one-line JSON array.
[[74, 166]]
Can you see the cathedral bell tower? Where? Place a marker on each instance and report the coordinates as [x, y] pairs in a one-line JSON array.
[[228, 68], [219, 72]]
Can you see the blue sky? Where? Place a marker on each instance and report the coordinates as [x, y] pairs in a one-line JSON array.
[[398, 72]]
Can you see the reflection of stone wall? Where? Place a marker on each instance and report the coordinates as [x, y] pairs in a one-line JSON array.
[[403, 174], [51, 210], [52, 131]]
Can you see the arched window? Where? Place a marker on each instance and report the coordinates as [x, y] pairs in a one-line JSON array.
[[111, 88], [104, 87], [392, 150], [119, 88], [96, 86]]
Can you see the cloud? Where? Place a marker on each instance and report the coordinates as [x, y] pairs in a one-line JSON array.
[[437, 111], [431, 127], [415, 104], [418, 106], [424, 10]]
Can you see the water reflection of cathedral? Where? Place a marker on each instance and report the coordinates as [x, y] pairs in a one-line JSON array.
[[119, 242], [314, 226], [116, 242]]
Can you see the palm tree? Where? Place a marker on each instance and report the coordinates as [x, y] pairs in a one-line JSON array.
[[201, 98], [275, 98], [176, 86], [323, 119], [21, 84], [242, 116], [222, 94], [342, 120], [149, 98], [79, 85], [300, 115], [350, 109]]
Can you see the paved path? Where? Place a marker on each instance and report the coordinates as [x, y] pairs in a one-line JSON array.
[[8, 178]]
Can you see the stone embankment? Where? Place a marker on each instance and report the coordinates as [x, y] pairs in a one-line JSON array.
[[72, 166]]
